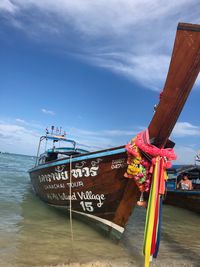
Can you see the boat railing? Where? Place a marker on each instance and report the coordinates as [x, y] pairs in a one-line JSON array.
[[54, 138]]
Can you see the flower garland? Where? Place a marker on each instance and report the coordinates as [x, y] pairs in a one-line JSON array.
[[139, 167], [167, 153]]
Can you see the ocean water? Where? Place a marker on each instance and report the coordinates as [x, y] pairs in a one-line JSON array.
[[35, 234]]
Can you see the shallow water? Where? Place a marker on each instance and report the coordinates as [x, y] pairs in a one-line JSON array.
[[34, 234]]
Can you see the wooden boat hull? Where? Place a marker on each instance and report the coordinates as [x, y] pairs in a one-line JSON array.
[[184, 199], [99, 190]]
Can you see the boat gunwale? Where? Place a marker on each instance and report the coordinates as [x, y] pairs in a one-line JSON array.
[[195, 192], [74, 158]]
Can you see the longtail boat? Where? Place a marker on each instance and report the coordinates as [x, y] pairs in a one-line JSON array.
[[188, 199], [92, 185]]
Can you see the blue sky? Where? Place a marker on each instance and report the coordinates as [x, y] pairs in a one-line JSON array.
[[96, 68]]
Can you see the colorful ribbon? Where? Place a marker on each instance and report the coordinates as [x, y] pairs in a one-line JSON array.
[[145, 172], [154, 212]]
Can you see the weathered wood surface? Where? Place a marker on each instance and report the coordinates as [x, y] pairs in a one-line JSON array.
[[183, 71]]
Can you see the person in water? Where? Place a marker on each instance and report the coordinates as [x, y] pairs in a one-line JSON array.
[[185, 183]]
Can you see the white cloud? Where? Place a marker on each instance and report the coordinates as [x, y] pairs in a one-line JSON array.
[[110, 133], [18, 139], [94, 140], [131, 38], [188, 134], [8, 6], [20, 121], [150, 70], [183, 129], [19, 136], [185, 154], [105, 17], [49, 112], [34, 125], [24, 139], [116, 133], [7, 130], [102, 139]]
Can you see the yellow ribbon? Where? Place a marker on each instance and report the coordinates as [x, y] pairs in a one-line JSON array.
[[150, 216]]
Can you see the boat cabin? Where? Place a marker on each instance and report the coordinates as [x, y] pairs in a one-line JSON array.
[[59, 148]]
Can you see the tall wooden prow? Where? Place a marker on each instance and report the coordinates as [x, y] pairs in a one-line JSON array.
[[183, 71]]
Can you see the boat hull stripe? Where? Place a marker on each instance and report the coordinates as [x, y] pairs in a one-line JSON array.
[[90, 156], [118, 228]]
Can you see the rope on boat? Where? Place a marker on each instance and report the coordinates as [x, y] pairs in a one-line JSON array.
[[70, 198]]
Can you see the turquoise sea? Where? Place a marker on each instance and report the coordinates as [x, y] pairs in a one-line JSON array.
[[35, 234]]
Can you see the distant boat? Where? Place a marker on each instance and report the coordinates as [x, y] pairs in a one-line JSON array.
[[99, 192], [188, 199]]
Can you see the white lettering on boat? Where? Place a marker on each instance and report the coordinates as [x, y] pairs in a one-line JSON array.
[[80, 165], [118, 163], [53, 176], [60, 168], [60, 186], [88, 195], [61, 175], [76, 184], [87, 206], [53, 186], [88, 202], [61, 196], [96, 162]]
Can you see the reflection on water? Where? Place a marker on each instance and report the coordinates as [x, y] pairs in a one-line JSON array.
[[34, 234], [180, 239], [43, 238]]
